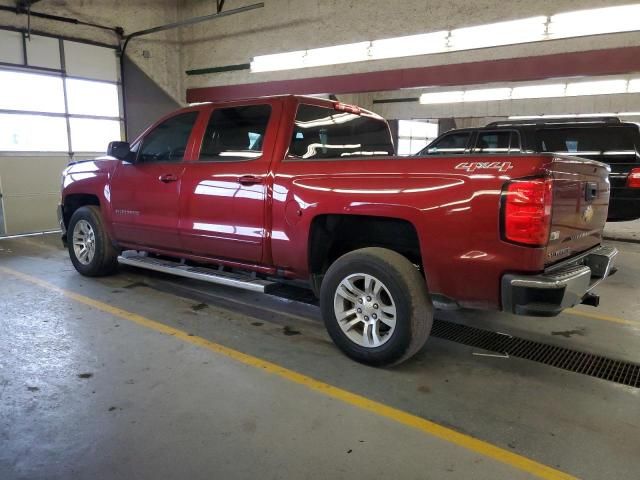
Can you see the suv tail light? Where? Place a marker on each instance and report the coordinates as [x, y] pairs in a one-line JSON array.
[[526, 211], [633, 180]]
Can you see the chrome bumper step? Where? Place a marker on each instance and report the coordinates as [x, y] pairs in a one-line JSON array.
[[244, 281]]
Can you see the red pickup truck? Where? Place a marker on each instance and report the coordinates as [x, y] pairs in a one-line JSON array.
[[247, 192]]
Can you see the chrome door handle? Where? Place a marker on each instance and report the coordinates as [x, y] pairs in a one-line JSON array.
[[250, 180], [169, 177]]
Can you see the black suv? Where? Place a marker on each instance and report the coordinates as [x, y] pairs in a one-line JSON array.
[[605, 139]]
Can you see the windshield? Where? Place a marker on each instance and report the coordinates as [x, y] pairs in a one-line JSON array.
[[322, 133]]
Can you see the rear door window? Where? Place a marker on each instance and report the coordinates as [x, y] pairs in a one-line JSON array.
[[450, 144], [615, 144], [324, 133]]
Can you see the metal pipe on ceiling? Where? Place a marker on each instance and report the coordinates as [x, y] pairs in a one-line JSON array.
[[191, 21]]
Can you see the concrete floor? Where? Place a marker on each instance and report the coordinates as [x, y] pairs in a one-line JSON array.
[[85, 393], [625, 231]]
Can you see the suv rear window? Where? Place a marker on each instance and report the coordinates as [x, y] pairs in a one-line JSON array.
[[610, 144], [321, 133]]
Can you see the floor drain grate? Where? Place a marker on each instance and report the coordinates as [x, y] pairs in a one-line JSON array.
[[596, 366]]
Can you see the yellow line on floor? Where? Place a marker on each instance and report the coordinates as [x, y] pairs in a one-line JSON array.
[[606, 318], [470, 443]]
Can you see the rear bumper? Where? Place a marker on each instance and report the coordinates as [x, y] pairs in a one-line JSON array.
[[547, 294]]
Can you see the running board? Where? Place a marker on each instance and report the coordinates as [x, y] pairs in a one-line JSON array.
[[244, 281]]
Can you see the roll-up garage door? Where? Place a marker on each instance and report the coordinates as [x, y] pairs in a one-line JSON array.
[[60, 100]]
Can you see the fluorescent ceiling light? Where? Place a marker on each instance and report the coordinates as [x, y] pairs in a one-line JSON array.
[[486, 94], [600, 87], [519, 92], [278, 61], [624, 18], [352, 52], [456, 96], [411, 45], [502, 33], [634, 85], [592, 22], [539, 91]]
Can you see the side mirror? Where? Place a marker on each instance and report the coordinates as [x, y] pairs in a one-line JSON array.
[[119, 150]]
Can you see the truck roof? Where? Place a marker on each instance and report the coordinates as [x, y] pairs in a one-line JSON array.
[[299, 98]]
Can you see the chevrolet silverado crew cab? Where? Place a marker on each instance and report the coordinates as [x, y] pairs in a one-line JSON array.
[[605, 139], [292, 187]]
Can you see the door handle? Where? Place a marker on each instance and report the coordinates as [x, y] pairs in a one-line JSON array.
[[169, 177], [250, 180]]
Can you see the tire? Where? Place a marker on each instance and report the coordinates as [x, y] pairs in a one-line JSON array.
[[402, 296], [86, 228]]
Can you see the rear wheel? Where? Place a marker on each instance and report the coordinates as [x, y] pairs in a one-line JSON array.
[[376, 307], [90, 247]]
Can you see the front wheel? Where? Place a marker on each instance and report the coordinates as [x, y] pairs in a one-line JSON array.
[[376, 307], [90, 247]]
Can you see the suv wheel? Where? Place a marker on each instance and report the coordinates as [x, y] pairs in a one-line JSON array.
[[376, 307], [90, 247]]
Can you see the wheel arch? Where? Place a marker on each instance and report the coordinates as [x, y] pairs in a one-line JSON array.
[[333, 235], [74, 201]]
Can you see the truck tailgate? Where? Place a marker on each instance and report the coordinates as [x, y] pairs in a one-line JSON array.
[[580, 202]]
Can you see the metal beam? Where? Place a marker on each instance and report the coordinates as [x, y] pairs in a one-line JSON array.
[[192, 21]]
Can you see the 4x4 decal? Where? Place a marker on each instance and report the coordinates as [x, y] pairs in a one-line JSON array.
[[473, 166]]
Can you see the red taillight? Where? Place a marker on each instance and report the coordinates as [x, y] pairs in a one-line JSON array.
[[633, 180], [527, 211]]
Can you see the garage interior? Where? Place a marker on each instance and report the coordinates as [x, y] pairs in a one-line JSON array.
[[145, 375]]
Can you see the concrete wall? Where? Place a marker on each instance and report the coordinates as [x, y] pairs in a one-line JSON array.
[[145, 100], [288, 25]]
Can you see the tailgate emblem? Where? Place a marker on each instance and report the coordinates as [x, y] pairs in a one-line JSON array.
[[587, 215]]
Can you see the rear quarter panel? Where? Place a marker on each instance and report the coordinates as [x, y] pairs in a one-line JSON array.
[[453, 203]]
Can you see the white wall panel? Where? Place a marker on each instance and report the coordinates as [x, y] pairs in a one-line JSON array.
[[30, 200], [11, 47], [43, 52], [90, 61]]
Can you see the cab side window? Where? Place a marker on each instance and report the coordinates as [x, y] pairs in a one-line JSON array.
[[235, 133], [451, 144], [168, 141]]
